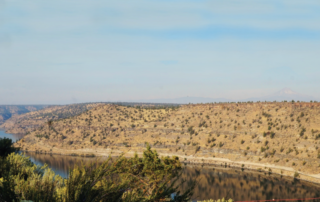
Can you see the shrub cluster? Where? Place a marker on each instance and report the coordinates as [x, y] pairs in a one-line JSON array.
[[149, 178]]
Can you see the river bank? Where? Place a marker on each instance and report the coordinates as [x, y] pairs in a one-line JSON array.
[[193, 160], [187, 159]]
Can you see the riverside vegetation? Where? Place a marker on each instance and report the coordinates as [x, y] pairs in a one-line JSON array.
[[281, 134], [149, 178]]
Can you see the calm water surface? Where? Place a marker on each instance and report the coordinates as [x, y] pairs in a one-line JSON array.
[[14, 137], [212, 182]]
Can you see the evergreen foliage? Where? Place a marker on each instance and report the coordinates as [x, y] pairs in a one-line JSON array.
[[6, 147], [149, 178]]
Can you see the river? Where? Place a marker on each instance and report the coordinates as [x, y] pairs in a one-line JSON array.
[[212, 182]]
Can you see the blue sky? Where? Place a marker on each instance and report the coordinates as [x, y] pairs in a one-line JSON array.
[[56, 52]]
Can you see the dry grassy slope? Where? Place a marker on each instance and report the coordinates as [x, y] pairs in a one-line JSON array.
[[27, 122], [233, 131], [8, 111]]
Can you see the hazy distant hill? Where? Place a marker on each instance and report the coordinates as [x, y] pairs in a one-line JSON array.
[[7, 111], [284, 94], [187, 100]]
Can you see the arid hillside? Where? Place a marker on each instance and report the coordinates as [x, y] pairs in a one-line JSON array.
[[8, 111], [283, 135], [23, 123]]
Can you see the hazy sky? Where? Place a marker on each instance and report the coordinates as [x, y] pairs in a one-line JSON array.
[[66, 51]]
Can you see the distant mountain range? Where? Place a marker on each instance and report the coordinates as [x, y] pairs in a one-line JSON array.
[[284, 94]]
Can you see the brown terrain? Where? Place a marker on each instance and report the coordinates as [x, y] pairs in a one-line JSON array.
[[8, 111], [272, 137], [23, 123]]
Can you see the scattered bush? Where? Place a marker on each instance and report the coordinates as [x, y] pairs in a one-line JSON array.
[[303, 130], [272, 134]]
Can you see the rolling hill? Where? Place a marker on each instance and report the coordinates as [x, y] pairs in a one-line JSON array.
[[8, 111], [21, 124], [267, 136]]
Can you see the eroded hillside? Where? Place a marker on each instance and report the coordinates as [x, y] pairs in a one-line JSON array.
[[280, 134]]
